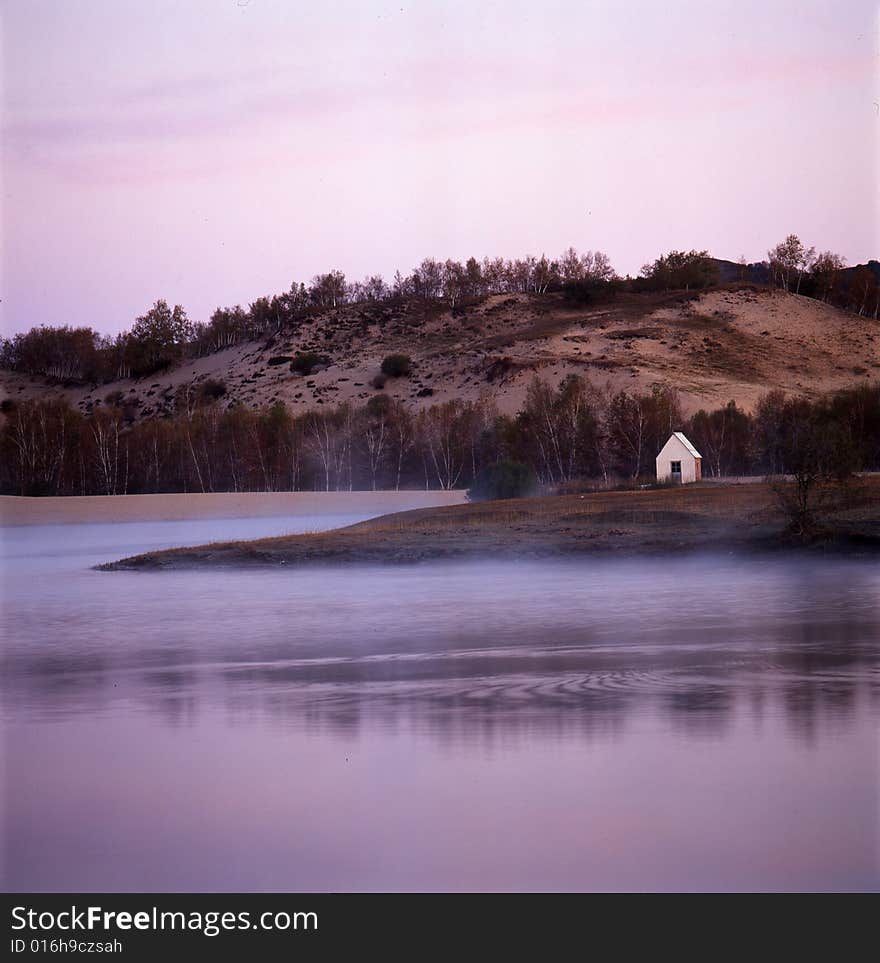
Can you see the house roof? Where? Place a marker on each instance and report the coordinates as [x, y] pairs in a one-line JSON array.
[[681, 437]]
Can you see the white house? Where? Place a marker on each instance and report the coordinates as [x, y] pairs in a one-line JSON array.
[[679, 461]]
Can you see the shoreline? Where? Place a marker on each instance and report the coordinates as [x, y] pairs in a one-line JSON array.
[[739, 519]]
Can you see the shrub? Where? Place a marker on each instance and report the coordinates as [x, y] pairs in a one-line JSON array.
[[397, 365], [379, 406], [502, 479], [211, 390], [114, 398], [306, 361], [379, 382]]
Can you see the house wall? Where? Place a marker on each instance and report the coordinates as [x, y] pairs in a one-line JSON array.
[[674, 450]]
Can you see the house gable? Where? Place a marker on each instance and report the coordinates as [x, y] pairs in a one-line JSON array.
[[677, 448]]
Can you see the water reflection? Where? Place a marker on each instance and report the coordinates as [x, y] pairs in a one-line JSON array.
[[324, 718], [811, 674]]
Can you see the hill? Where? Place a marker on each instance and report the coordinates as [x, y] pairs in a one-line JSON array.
[[736, 341]]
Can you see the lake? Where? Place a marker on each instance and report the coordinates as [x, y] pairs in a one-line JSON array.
[[704, 723]]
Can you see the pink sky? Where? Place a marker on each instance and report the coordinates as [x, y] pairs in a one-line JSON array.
[[211, 152]]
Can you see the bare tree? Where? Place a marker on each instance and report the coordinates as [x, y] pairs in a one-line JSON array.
[[447, 433], [110, 463], [627, 425]]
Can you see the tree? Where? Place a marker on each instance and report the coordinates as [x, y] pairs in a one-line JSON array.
[[681, 269], [373, 431], [825, 271], [296, 299], [789, 261], [110, 451], [571, 268], [502, 480], [38, 446], [157, 338], [328, 290], [819, 455], [858, 409], [864, 292], [545, 274], [473, 277], [496, 275], [626, 427], [561, 427], [226, 328], [454, 282], [62, 353], [374, 288], [722, 438], [427, 279], [448, 434], [402, 440], [328, 435]]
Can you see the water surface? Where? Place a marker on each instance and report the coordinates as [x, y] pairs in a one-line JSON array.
[[591, 724]]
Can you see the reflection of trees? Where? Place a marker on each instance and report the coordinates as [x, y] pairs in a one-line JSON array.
[[61, 684], [442, 699], [702, 709], [172, 694], [488, 696], [810, 706]]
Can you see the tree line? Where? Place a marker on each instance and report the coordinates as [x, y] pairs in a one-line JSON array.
[[164, 335], [823, 275], [563, 434]]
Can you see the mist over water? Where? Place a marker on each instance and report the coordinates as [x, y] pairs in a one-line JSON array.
[[702, 723]]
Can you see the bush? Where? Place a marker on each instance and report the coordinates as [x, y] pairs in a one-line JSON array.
[[502, 479], [306, 361], [397, 366], [211, 390], [379, 382], [379, 406]]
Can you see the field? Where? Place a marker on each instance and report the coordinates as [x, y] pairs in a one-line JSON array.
[[176, 506], [708, 517]]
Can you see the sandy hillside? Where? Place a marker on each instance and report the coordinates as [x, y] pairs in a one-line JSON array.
[[728, 343]]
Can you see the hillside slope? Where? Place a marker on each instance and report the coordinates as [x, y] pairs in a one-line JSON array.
[[729, 343]]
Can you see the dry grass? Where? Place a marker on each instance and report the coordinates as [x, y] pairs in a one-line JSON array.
[[697, 517]]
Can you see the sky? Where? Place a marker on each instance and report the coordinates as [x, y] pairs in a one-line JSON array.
[[211, 151]]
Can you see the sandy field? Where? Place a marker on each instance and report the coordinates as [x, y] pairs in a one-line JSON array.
[[15, 510]]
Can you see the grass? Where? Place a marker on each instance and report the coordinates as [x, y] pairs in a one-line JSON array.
[[689, 518]]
